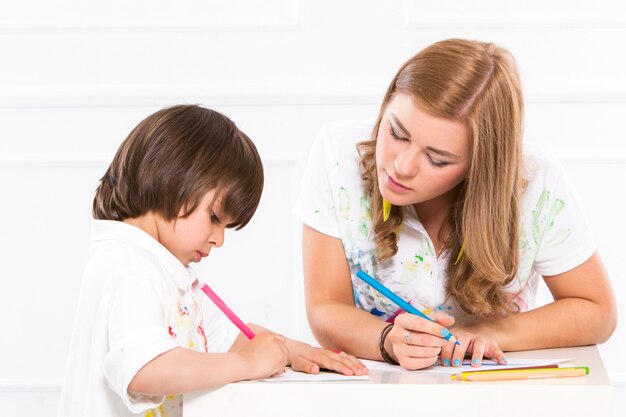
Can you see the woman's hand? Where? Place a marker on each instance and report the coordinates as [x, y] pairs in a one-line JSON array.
[[415, 342], [476, 340], [310, 360]]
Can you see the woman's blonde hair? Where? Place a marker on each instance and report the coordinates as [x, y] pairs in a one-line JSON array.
[[477, 83]]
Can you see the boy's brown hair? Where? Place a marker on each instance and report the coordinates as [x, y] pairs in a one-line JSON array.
[[172, 159]]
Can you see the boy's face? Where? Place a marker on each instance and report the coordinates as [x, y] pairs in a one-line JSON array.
[[191, 238]]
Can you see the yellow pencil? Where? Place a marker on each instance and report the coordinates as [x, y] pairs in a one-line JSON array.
[[510, 374]]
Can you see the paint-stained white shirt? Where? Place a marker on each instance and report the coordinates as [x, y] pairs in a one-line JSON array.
[[136, 302], [555, 237]]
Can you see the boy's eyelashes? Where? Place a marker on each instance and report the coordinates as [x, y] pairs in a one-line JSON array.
[[217, 219]]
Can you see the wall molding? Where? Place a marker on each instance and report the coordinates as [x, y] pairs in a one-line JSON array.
[[31, 385], [158, 96], [263, 94], [486, 21], [270, 159], [106, 27], [26, 161], [512, 23], [93, 25], [618, 158]]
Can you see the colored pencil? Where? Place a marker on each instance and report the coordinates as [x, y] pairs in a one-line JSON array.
[[399, 301], [226, 310], [512, 374]]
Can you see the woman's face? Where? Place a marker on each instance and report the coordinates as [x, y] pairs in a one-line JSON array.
[[419, 157]]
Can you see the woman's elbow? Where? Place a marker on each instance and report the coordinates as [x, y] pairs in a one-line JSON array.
[[606, 302], [607, 321], [318, 318]]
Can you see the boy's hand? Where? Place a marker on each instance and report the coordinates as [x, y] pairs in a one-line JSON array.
[[265, 355], [311, 359]]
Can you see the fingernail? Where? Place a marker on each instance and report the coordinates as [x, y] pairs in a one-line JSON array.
[[476, 361], [504, 360], [457, 362], [445, 332], [446, 362]]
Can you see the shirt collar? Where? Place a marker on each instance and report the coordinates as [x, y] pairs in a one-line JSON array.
[[410, 219], [117, 230]]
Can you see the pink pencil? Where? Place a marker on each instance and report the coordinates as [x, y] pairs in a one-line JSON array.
[[229, 313]]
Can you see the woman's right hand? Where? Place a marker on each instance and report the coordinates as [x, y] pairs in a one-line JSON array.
[[415, 342], [264, 356]]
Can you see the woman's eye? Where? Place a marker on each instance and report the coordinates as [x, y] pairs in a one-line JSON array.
[[393, 133], [437, 163], [214, 218]]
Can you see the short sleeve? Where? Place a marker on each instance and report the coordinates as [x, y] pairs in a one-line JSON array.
[[563, 236], [135, 332], [315, 205]]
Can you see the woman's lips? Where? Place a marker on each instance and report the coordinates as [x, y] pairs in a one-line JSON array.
[[394, 185]]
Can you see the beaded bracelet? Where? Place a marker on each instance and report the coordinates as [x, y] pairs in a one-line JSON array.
[[381, 345]]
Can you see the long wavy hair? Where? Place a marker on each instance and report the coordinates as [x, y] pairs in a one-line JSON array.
[[476, 83]]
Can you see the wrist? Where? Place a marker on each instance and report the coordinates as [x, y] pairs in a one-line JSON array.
[[491, 328], [389, 349], [295, 349], [385, 346], [497, 330], [239, 366]]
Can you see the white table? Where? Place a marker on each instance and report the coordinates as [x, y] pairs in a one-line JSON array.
[[418, 394]]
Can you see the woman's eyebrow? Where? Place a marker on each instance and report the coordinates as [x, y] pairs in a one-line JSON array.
[[442, 152]]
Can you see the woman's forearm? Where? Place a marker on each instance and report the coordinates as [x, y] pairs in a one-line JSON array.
[[565, 322], [345, 327]]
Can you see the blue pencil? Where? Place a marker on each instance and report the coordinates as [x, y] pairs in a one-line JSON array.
[[399, 301]]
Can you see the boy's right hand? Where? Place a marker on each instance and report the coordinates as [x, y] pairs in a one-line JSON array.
[[264, 356]]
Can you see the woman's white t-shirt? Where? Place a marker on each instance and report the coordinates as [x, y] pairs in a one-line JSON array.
[[554, 238]]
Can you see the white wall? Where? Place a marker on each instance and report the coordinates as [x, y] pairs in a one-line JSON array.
[[76, 77]]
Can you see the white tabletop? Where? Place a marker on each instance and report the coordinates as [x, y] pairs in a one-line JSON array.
[[393, 394]]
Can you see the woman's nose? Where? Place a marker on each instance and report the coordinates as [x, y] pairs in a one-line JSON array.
[[406, 164]]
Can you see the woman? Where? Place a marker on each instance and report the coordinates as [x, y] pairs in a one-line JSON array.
[[442, 203]]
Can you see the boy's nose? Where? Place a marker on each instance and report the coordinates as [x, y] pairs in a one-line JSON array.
[[217, 238]]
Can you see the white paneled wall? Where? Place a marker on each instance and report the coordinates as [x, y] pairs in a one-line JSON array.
[[77, 76]]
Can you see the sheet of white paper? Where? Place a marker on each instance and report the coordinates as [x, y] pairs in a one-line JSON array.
[[293, 376], [450, 370]]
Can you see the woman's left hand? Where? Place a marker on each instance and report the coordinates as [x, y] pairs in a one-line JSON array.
[[311, 359], [476, 340]]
